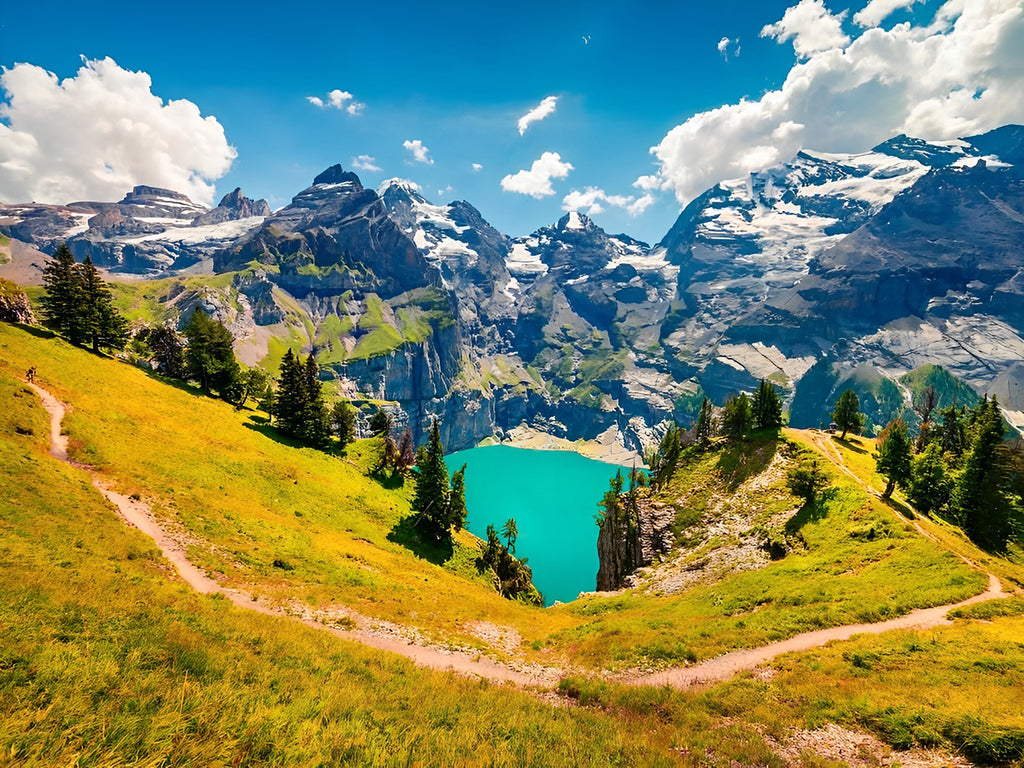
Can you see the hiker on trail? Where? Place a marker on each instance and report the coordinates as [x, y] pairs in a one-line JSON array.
[[31, 375]]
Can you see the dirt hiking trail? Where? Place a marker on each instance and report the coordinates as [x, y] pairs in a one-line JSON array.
[[137, 513]]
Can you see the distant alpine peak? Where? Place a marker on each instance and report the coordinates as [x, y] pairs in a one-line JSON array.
[[574, 221], [336, 175], [404, 185]]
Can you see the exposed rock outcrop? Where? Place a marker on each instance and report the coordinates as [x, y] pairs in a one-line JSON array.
[[14, 306]]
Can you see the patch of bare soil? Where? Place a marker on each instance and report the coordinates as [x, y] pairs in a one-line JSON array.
[[859, 750]]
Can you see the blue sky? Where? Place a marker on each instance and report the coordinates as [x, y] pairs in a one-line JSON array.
[[457, 77]]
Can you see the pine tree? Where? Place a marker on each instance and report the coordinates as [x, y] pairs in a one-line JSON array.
[[663, 461], [101, 323], [893, 456], [737, 417], [343, 419], [291, 395], [847, 413], [267, 402], [929, 481], [806, 480], [62, 297], [168, 350], [432, 489], [456, 512], [767, 406], [952, 434], [210, 357], [979, 501], [315, 420], [704, 429], [381, 422]]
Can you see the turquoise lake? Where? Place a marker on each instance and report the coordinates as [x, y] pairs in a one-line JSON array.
[[553, 496]]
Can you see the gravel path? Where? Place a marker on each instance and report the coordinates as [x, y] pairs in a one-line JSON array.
[[138, 514]]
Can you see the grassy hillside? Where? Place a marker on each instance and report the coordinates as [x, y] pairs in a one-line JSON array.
[[107, 660], [851, 561]]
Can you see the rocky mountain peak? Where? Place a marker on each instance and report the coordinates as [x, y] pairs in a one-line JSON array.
[[337, 175], [574, 221], [397, 190], [142, 194], [233, 206]]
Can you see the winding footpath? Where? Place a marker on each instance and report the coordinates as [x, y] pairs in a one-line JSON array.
[[137, 514]]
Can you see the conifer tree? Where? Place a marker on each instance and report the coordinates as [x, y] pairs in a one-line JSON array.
[[767, 406], [510, 530], [979, 501], [893, 456], [267, 402], [406, 449], [456, 517], [168, 350], [101, 324], [847, 413], [63, 298], [432, 489], [704, 429], [315, 420], [663, 461], [291, 395], [737, 416], [343, 419], [929, 483], [210, 358]]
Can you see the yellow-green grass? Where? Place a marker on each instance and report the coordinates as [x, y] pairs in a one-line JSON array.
[[855, 563], [249, 497], [858, 454], [107, 660], [957, 687]]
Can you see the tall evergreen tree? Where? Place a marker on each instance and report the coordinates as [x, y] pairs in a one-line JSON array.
[[929, 482], [737, 416], [456, 513], [210, 357], [767, 406], [102, 325], [168, 350], [979, 501], [704, 429], [315, 419], [291, 395], [952, 433], [432, 489], [510, 530], [62, 301], [847, 413], [893, 457], [663, 461], [343, 419]]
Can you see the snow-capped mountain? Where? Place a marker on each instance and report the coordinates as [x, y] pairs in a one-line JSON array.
[[150, 231], [855, 267]]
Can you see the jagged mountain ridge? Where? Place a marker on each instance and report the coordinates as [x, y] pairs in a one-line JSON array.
[[579, 331]]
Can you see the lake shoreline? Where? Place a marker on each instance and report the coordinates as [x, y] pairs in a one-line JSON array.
[[606, 447]]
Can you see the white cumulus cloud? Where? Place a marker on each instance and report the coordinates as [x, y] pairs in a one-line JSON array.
[[876, 11], [538, 113], [961, 74], [477, 167], [420, 153], [592, 200], [810, 26], [724, 46], [338, 99], [536, 182], [99, 133], [364, 163]]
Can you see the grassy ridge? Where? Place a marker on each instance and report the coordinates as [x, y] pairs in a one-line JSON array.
[[857, 563], [107, 661], [248, 499]]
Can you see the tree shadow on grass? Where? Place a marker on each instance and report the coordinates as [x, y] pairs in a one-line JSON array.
[[849, 445], [257, 424], [406, 534], [742, 460], [36, 330], [904, 509], [387, 479], [815, 510]]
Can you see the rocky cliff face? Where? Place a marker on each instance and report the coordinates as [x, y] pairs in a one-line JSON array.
[[632, 539], [14, 306]]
